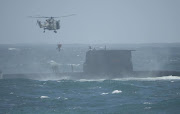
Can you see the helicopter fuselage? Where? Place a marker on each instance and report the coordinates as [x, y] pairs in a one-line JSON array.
[[49, 24]]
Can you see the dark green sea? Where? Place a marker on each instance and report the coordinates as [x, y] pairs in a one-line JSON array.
[[153, 95], [127, 95]]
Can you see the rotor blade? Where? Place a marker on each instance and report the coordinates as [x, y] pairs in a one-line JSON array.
[[67, 15], [50, 17], [37, 17]]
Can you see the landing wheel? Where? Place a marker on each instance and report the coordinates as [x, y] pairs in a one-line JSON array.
[[55, 31], [44, 31]]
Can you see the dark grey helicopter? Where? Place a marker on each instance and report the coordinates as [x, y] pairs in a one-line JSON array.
[[50, 23]]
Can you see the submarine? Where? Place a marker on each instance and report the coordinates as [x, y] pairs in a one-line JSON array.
[[117, 64], [104, 63]]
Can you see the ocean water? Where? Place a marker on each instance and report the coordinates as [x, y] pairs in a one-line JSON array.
[[64, 95], [132, 95]]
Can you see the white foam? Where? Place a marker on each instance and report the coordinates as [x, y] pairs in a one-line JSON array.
[[146, 103], [163, 78], [53, 63], [104, 93], [66, 77], [53, 77], [90, 80], [65, 98], [11, 93], [44, 97], [116, 91], [58, 97], [150, 78], [12, 49]]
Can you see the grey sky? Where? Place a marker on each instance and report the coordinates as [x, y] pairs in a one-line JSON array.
[[97, 21]]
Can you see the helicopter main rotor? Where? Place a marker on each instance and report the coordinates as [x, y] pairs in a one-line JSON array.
[[51, 16]]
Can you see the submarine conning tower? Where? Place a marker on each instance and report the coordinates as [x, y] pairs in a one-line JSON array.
[[108, 62]]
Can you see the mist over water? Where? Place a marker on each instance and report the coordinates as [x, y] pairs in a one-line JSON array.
[[42, 58]]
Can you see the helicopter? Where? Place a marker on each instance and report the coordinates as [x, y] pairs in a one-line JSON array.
[[50, 23]]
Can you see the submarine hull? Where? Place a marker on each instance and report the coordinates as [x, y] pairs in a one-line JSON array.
[[82, 75]]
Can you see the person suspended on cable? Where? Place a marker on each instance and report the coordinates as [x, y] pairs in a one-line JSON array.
[[59, 46]]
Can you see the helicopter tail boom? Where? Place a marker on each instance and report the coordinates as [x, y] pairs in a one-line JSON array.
[[39, 23]]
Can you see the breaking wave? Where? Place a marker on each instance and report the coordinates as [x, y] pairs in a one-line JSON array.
[[150, 78], [163, 78]]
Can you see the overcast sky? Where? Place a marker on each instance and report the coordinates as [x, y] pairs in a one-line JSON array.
[[97, 21]]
